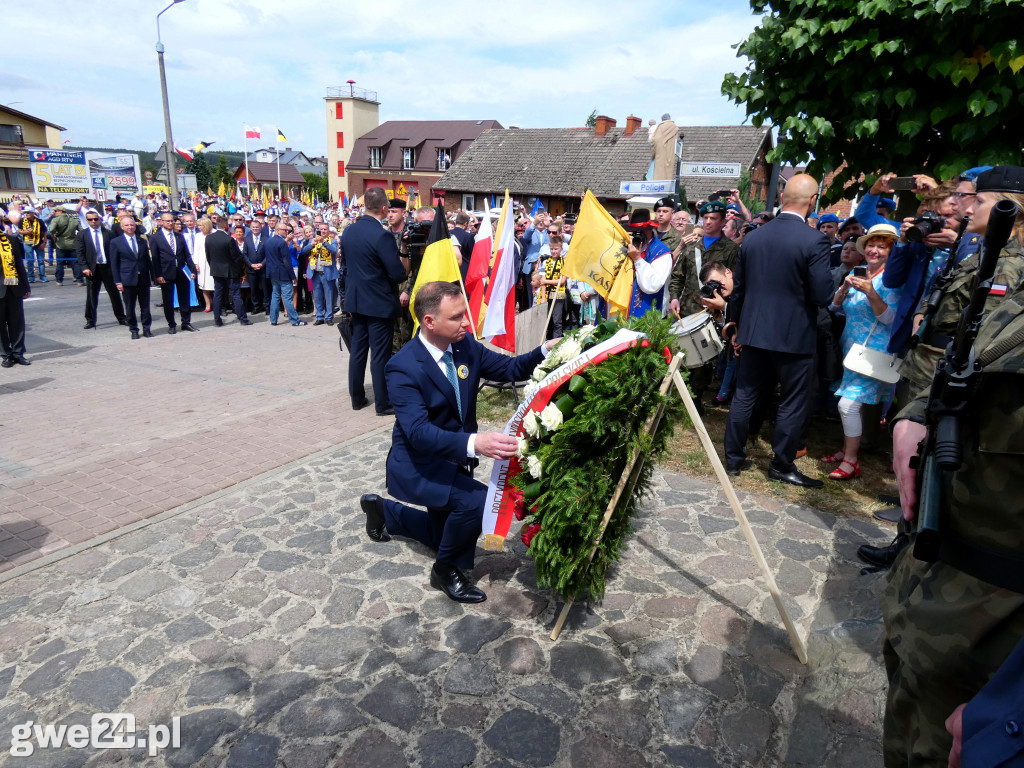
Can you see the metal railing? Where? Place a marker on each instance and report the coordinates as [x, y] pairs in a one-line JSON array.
[[339, 91]]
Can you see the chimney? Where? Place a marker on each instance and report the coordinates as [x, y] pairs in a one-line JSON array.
[[287, 149], [632, 123], [602, 124]]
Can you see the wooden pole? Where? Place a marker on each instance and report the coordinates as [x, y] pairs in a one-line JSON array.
[[799, 647], [627, 479]]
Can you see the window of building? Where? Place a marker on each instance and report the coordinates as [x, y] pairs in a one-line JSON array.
[[341, 139], [10, 134], [341, 167], [469, 202], [376, 157], [408, 158], [444, 158], [338, 111], [15, 178]]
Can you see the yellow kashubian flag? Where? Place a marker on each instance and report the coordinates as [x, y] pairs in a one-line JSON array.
[[221, 190], [598, 255], [438, 262]]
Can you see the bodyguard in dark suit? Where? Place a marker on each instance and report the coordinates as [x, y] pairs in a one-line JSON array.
[[227, 265], [132, 273], [374, 273], [781, 279], [14, 289], [254, 255], [170, 255], [433, 382], [92, 249]]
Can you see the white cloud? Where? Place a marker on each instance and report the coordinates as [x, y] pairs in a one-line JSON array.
[[532, 64]]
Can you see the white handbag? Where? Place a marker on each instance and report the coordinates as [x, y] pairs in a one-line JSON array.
[[873, 363]]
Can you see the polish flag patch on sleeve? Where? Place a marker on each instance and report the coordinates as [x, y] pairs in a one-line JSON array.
[[997, 290]]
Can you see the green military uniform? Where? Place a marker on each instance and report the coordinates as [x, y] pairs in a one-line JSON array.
[[671, 238], [948, 631], [685, 286], [403, 323], [919, 365]]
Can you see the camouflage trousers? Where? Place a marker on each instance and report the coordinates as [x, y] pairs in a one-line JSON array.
[[946, 635], [403, 330]]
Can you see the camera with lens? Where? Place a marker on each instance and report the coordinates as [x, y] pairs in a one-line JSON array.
[[721, 194], [711, 288], [636, 237], [417, 233], [928, 223]]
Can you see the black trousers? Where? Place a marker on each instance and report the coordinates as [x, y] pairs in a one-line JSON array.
[[259, 296], [138, 294], [101, 275], [222, 286], [12, 325], [167, 289], [370, 335], [757, 371]]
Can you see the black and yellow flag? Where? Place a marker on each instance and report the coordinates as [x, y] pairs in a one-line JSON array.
[[439, 262]]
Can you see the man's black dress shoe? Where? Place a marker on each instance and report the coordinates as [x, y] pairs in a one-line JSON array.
[[87, 326], [330, 322], [389, 411], [189, 327], [147, 333], [245, 322], [454, 583], [6, 363], [319, 322], [735, 471], [373, 506], [172, 330], [217, 322], [21, 360], [884, 557], [135, 336], [122, 321], [795, 477], [358, 405]]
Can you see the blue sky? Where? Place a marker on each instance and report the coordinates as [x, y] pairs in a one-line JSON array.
[[91, 66]]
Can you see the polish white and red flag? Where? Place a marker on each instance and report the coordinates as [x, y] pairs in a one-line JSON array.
[[500, 296], [479, 268], [252, 132], [183, 152]]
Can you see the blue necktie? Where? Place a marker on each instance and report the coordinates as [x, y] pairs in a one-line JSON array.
[[449, 367]]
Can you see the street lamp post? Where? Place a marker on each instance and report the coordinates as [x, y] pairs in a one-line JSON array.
[[172, 174]]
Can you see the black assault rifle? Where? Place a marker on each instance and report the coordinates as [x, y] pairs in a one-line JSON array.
[[941, 284], [956, 378]]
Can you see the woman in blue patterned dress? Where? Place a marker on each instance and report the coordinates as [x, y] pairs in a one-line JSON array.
[[870, 308]]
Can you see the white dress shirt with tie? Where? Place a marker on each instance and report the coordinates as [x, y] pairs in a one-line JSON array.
[[97, 242]]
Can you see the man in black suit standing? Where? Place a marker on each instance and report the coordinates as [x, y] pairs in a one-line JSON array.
[[92, 249], [14, 289], [254, 255], [132, 273], [371, 295], [227, 266], [170, 257], [781, 279]]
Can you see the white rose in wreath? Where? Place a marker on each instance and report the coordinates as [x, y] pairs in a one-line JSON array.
[[533, 467], [539, 374], [551, 417], [522, 447], [531, 424], [570, 349]]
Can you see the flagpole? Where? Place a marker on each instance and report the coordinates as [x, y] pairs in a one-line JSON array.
[[277, 141], [245, 144]]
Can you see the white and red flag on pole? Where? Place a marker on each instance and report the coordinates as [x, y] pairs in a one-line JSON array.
[[252, 132], [183, 152], [479, 267], [499, 326]]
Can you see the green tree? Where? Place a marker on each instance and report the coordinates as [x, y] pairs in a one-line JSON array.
[[317, 182], [221, 172], [199, 166], [886, 85], [592, 118]]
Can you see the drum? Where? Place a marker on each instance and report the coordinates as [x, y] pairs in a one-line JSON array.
[[698, 338]]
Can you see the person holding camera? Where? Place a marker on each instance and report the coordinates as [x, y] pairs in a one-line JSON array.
[[715, 294], [652, 262], [869, 308]]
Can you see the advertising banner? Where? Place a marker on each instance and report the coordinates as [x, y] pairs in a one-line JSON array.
[[117, 174], [58, 174]]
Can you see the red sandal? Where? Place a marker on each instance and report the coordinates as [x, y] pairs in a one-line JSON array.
[[834, 458], [841, 474]]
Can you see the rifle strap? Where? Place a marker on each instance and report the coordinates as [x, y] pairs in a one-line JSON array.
[[1001, 570], [1001, 348]]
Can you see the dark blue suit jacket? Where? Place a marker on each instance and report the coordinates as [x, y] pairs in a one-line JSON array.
[[250, 252], [168, 264], [373, 270], [993, 721], [125, 266], [430, 435], [781, 279], [277, 263]]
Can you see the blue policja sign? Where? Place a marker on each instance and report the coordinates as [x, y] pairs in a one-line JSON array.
[[647, 187]]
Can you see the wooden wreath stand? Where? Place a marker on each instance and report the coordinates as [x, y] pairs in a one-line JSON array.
[[631, 473]]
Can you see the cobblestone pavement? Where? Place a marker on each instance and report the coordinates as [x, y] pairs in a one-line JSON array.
[[101, 431], [281, 636]]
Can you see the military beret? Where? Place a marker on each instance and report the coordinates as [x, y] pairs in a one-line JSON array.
[[848, 223], [666, 202], [397, 203], [1002, 178], [825, 218], [715, 206]]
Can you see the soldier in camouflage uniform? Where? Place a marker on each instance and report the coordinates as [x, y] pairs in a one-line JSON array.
[[664, 209], [684, 285], [951, 624]]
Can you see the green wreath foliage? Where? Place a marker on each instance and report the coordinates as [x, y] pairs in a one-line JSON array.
[[584, 459]]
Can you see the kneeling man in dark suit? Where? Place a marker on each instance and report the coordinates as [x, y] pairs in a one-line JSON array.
[[432, 383]]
